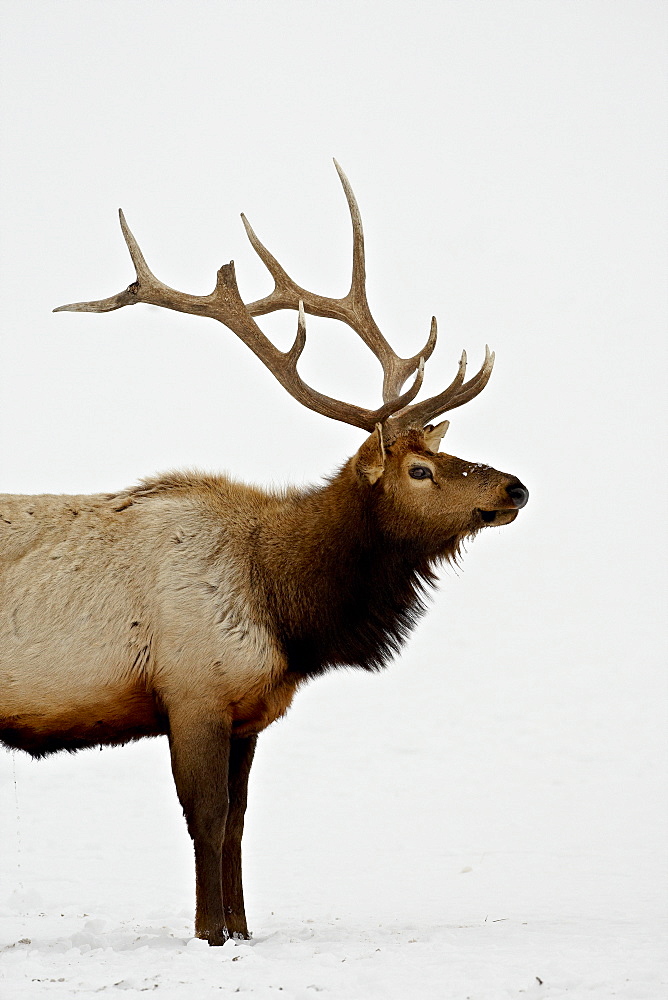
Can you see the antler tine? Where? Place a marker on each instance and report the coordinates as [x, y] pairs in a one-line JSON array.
[[428, 348], [129, 296], [357, 293], [396, 370], [475, 385], [394, 405], [283, 294], [142, 269], [457, 393], [226, 305], [295, 351]]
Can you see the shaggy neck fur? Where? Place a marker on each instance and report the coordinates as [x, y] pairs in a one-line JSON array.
[[342, 590]]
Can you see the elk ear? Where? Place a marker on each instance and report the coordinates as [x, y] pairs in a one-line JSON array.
[[434, 435], [369, 461]]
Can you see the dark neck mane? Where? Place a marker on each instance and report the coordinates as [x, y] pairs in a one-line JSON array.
[[342, 592]]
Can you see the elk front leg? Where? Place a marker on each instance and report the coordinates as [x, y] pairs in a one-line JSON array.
[[241, 758], [200, 750]]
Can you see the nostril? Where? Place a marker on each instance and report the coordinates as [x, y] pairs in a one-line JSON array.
[[519, 495]]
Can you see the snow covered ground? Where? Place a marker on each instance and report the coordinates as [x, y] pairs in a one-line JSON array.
[[487, 819]]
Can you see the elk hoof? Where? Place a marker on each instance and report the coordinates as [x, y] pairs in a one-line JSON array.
[[216, 938], [238, 929]]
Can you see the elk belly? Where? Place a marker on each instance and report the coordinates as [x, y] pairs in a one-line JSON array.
[[111, 717]]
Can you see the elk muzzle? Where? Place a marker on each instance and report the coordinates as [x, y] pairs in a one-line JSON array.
[[517, 493]]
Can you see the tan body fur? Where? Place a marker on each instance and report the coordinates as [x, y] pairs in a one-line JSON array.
[[114, 608]]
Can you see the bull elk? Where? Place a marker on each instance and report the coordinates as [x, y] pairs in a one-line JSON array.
[[194, 606]]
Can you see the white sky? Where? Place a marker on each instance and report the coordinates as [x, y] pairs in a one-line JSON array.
[[509, 160]]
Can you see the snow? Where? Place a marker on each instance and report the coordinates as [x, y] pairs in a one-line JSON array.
[[486, 819]]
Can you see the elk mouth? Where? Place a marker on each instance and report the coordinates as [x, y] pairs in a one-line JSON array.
[[496, 516]]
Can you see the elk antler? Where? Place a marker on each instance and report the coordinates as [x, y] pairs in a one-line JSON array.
[[226, 305]]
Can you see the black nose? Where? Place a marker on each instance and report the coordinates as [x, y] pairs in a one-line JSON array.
[[518, 494]]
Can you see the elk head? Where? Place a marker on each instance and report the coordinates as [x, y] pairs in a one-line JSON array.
[[401, 455], [434, 497]]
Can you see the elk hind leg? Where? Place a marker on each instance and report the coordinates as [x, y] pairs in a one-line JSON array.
[[200, 752]]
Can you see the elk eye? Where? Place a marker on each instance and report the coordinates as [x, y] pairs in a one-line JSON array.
[[420, 472]]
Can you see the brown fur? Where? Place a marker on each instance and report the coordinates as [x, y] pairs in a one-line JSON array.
[[194, 606]]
